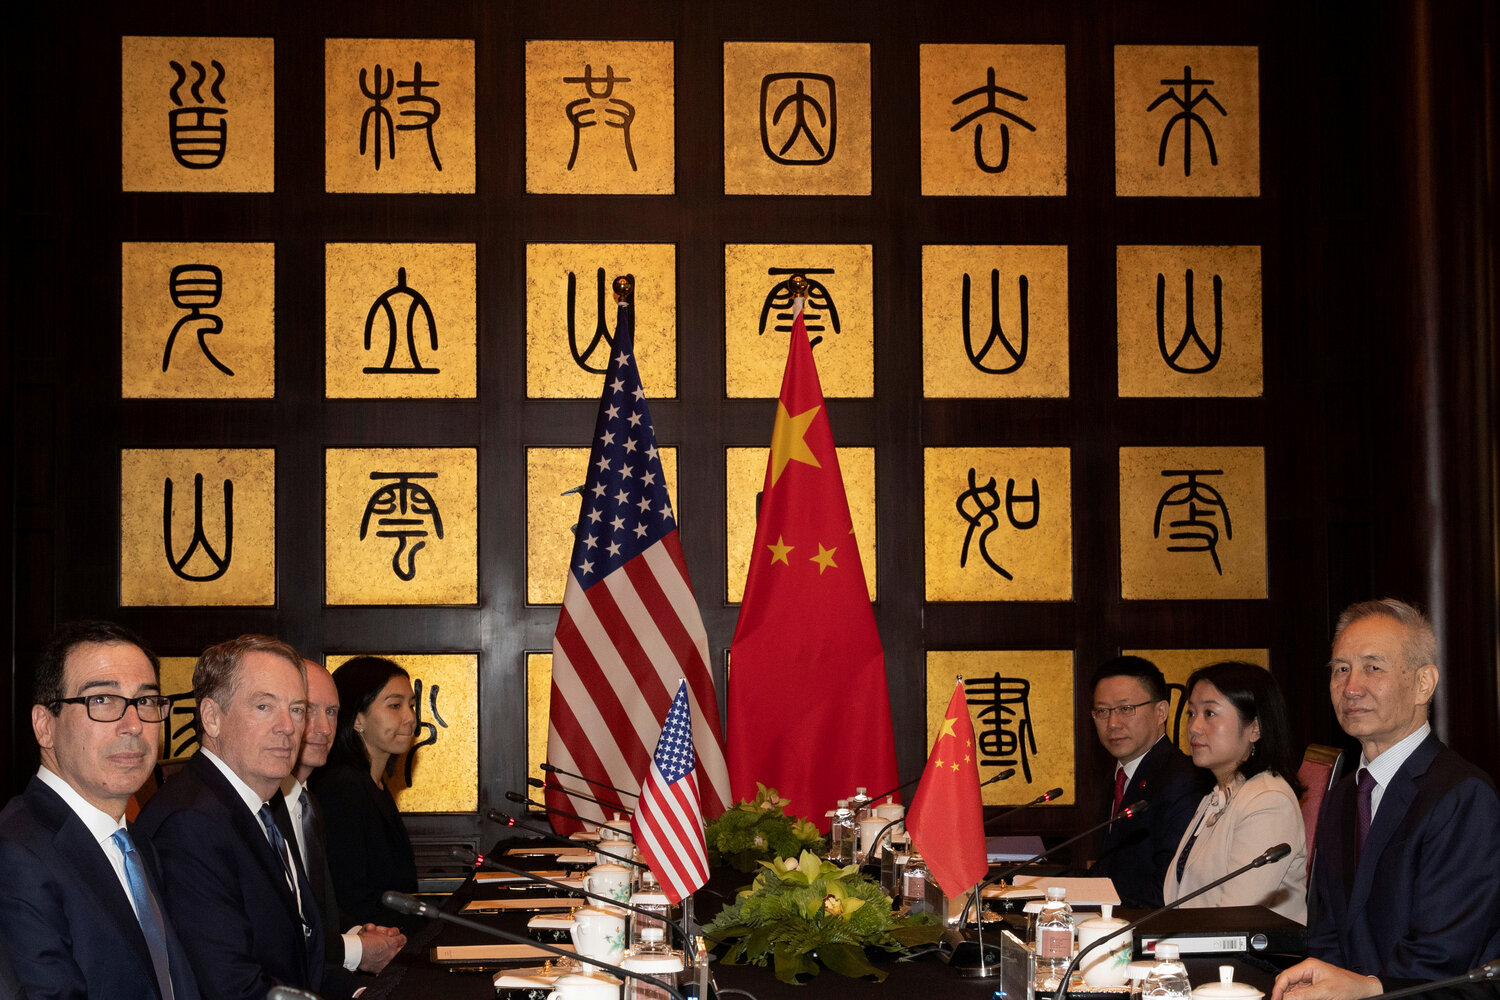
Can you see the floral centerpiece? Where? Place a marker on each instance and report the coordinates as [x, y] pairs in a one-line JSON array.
[[803, 911], [758, 830]]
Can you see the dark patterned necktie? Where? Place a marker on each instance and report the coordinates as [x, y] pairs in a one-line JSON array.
[[1366, 786], [279, 845], [312, 840]]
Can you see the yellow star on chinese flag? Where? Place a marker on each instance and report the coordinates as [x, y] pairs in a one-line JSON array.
[[947, 727], [824, 558], [789, 440], [779, 549]]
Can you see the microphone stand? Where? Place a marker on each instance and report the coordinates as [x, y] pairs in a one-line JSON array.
[[539, 783], [1487, 971], [402, 903], [468, 857], [518, 798], [499, 817], [870, 851], [1046, 796], [597, 784], [1266, 857]]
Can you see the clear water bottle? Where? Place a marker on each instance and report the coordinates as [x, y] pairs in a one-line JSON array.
[[914, 879], [862, 804], [1168, 979], [1054, 939], [842, 835]]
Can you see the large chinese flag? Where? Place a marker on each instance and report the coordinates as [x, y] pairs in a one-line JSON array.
[[808, 709], [946, 818]]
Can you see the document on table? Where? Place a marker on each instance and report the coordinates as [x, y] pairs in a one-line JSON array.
[[523, 903]]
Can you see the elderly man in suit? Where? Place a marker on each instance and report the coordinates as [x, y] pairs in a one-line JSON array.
[[234, 884], [1406, 883], [1130, 713], [81, 900], [370, 947]]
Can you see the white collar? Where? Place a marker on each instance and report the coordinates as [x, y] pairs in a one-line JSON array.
[[251, 797], [100, 823], [1384, 767]]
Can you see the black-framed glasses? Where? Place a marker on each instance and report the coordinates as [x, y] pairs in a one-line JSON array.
[[1125, 711], [111, 707]]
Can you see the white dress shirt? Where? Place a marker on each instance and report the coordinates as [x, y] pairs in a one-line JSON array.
[[101, 826], [1384, 767]]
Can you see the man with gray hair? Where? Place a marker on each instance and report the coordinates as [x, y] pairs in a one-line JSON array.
[[234, 886], [1406, 882]]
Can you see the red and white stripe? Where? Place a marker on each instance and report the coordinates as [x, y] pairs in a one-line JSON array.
[[668, 830]]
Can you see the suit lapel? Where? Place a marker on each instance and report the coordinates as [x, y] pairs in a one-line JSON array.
[[1395, 803], [247, 826]]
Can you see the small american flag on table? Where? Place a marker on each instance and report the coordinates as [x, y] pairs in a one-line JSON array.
[[668, 824]]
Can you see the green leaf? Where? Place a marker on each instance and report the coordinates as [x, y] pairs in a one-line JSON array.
[[849, 960], [791, 963], [912, 935]]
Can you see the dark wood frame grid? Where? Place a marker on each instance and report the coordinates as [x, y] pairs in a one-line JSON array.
[[1376, 223]]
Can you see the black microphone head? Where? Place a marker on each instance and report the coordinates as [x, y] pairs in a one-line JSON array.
[[496, 816], [402, 903], [517, 797], [1134, 809], [1273, 854], [1052, 793], [548, 767], [1005, 775], [464, 855], [536, 783]]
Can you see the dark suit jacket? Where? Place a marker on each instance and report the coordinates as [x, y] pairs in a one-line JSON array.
[[66, 923], [337, 981], [368, 849], [1135, 852], [227, 888], [1423, 900]]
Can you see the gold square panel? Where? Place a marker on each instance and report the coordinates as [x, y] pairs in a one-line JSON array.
[[994, 120], [796, 118], [1189, 320], [568, 340], [538, 712], [400, 320], [999, 524], [198, 320], [197, 527], [1187, 120], [745, 475], [197, 114], [402, 526], [1178, 664], [398, 115], [839, 316], [1192, 523], [1021, 705], [994, 321], [552, 511], [441, 771], [573, 88], [179, 730]]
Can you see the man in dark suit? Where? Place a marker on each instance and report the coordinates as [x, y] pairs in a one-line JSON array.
[[367, 948], [234, 884], [81, 912], [1130, 713], [1406, 882]]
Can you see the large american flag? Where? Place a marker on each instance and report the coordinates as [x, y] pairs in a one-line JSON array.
[[668, 825], [630, 628]]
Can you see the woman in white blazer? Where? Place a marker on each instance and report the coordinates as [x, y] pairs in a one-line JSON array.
[[1237, 728]]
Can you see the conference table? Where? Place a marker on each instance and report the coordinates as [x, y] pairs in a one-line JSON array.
[[413, 976]]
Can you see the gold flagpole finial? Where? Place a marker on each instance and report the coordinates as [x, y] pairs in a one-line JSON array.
[[624, 287], [798, 285]]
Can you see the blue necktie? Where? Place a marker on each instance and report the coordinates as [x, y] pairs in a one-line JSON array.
[[146, 911], [278, 844]]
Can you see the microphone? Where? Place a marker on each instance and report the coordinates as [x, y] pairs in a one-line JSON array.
[[539, 783], [402, 903], [1129, 812], [597, 784], [517, 797], [1266, 857], [290, 993], [1046, 796], [496, 816], [1487, 971], [875, 843], [468, 857]]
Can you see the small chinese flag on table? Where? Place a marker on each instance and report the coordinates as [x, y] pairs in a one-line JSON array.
[[946, 818]]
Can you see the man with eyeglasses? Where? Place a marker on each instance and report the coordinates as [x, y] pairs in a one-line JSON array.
[[235, 886], [1130, 709], [81, 905]]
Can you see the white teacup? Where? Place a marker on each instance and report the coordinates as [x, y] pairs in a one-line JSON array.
[[1226, 988], [580, 986], [609, 880], [599, 932], [1106, 964]]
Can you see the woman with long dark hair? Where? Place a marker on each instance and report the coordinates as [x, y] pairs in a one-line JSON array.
[[1238, 729], [368, 849]]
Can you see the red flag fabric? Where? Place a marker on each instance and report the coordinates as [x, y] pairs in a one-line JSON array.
[[629, 630], [946, 818], [808, 710], [667, 824]]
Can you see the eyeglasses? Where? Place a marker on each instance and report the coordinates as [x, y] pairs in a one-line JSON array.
[[111, 707], [1125, 711]]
